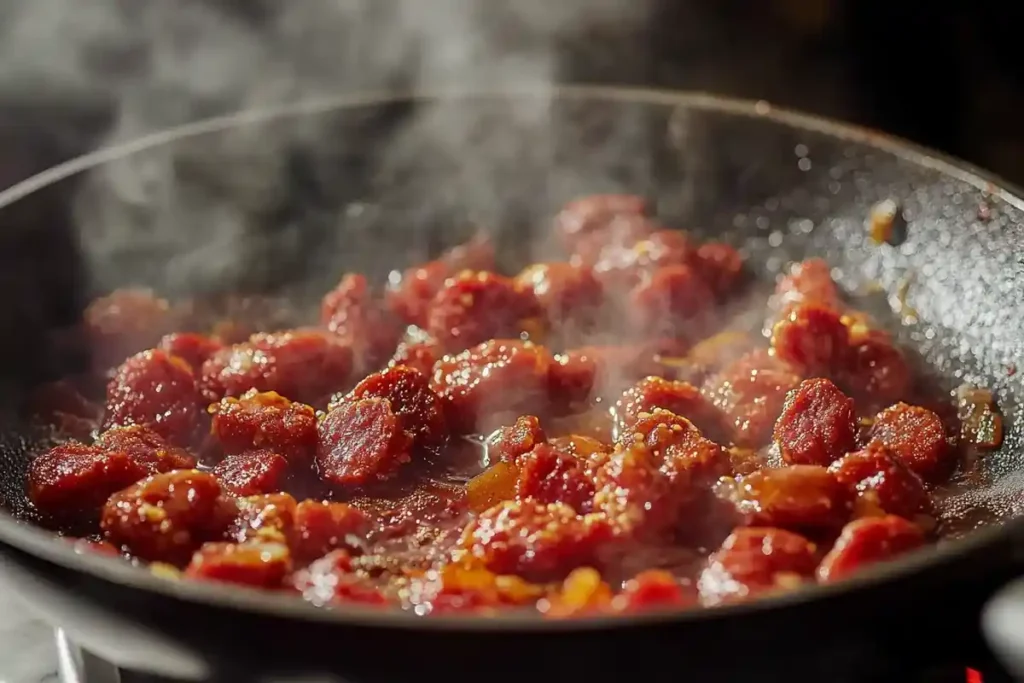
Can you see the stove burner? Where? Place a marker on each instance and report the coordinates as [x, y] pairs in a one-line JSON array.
[[76, 665]]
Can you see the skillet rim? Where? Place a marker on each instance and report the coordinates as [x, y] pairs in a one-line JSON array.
[[43, 544]]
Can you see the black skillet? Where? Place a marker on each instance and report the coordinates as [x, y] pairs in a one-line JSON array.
[[284, 200]]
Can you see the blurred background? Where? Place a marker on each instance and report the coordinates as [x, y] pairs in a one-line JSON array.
[[75, 74]]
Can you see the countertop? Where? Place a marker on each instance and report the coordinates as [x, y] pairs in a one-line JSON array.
[[28, 652]]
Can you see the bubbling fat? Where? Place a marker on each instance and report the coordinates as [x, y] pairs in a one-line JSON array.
[[591, 434]]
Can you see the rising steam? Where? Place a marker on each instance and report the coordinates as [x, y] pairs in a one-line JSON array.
[[217, 212]]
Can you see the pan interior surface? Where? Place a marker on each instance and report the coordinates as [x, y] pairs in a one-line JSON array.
[[282, 203]]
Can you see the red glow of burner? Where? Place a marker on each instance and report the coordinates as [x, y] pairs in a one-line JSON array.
[[973, 676]]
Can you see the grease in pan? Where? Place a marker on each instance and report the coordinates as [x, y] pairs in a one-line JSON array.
[[589, 435]]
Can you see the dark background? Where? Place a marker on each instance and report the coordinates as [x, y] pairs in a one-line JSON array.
[[949, 76]]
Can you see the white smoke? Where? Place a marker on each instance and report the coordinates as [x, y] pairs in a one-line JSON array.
[[204, 209]]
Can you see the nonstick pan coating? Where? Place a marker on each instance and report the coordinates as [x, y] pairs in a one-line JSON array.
[[284, 201]]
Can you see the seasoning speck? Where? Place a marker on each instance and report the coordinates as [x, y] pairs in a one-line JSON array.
[[886, 224], [981, 423], [984, 212]]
